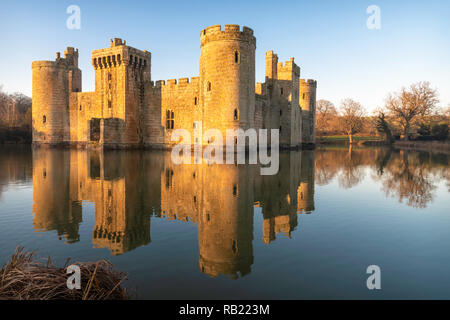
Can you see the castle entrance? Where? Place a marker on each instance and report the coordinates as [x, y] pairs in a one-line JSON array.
[[94, 130]]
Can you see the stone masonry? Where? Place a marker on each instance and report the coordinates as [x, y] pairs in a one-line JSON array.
[[129, 110]]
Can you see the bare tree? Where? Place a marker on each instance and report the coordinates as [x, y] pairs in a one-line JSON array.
[[351, 119], [409, 104], [325, 111]]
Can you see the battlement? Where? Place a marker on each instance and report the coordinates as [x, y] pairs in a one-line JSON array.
[[177, 82], [119, 53], [308, 82], [117, 42], [70, 60], [288, 66], [230, 32]]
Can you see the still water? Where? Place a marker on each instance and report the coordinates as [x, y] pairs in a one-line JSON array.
[[225, 231]]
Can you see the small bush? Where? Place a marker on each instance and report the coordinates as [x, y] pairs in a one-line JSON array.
[[440, 131]]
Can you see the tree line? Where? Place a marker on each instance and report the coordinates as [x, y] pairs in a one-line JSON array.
[[410, 113], [15, 117]]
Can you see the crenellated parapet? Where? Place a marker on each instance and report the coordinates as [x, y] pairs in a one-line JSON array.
[[230, 32], [181, 82], [308, 83], [120, 54]]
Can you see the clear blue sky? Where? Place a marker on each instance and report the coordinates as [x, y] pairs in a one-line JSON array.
[[329, 40]]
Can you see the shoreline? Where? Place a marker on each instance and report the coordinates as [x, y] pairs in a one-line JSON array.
[[429, 146]]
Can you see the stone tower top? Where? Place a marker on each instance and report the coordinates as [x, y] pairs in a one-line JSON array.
[[71, 56], [70, 60], [308, 82], [117, 42], [230, 32]]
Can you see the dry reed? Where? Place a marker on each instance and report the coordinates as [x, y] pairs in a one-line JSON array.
[[25, 278]]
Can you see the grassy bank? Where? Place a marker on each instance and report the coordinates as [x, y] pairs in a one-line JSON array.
[[342, 139]]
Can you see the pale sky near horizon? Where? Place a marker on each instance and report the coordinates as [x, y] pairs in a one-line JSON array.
[[329, 40]]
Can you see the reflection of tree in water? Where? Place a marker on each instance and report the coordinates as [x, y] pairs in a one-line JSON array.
[[347, 164], [409, 176], [412, 176], [352, 172], [326, 168], [15, 166]]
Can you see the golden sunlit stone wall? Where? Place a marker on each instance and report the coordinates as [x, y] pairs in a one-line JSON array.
[[277, 100], [308, 104], [120, 76], [129, 110], [180, 103], [227, 77], [53, 81]]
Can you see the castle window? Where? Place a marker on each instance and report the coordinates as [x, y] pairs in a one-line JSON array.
[[281, 91], [81, 107], [235, 190], [195, 101], [234, 246], [109, 104], [44, 119], [170, 120], [303, 96], [236, 114], [118, 58], [209, 86], [237, 57], [131, 59]]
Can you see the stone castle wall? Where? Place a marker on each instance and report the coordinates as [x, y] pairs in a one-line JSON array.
[[128, 109], [308, 105]]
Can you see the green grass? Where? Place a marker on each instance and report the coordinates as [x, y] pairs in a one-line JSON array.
[[345, 138]]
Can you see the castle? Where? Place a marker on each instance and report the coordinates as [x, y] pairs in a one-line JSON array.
[[128, 109]]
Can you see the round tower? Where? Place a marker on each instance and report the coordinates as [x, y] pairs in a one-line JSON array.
[[227, 77], [307, 94], [50, 110]]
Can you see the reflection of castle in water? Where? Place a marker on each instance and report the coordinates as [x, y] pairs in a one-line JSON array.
[[128, 188]]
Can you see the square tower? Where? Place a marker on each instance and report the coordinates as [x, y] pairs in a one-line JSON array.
[[120, 74]]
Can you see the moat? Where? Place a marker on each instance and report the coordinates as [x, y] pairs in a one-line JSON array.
[[225, 231]]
